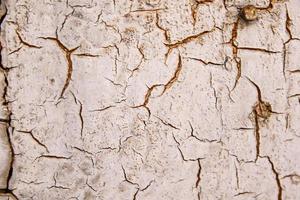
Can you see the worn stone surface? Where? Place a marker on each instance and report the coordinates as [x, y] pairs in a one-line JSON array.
[[152, 99]]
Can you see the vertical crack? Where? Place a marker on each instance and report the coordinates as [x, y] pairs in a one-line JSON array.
[[261, 110], [174, 78], [79, 113], [279, 187], [198, 173], [8, 120], [234, 45], [288, 24], [257, 134]]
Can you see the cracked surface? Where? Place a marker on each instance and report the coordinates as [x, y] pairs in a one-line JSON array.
[[152, 99]]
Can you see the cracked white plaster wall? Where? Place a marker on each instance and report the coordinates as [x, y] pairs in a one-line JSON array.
[[152, 99]]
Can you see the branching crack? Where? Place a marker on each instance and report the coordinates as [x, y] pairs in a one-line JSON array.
[[166, 86], [35, 139], [22, 41], [201, 140], [165, 31], [68, 54], [57, 186], [126, 178], [186, 40], [147, 98]]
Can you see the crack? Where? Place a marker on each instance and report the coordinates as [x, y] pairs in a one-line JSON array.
[[86, 55], [201, 140], [34, 138], [82, 150], [32, 182], [279, 187], [146, 10], [243, 193], [186, 40], [255, 111], [174, 78], [214, 91], [237, 175], [181, 153], [165, 31], [257, 134], [22, 41], [78, 102], [294, 95], [68, 56], [233, 42], [167, 123], [55, 184], [102, 109], [9, 128], [205, 62], [166, 86], [109, 26], [86, 182], [294, 71], [257, 49], [66, 17], [147, 98], [198, 173], [293, 177], [49, 156], [194, 8], [141, 190], [126, 178], [288, 23]]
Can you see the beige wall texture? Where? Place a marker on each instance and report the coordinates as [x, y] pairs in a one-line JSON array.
[[150, 100]]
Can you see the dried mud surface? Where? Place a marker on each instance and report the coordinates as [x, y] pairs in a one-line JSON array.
[[151, 99]]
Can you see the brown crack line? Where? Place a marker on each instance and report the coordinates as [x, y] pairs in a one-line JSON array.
[[147, 97], [166, 86], [257, 134], [279, 187], [165, 31], [232, 41], [68, 54], [174, 78], [256, 121], [186, 40], [194, 8]]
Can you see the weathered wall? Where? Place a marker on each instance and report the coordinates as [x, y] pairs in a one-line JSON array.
[[152, 99]]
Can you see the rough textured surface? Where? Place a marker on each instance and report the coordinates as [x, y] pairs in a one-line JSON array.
[[152, 99]]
